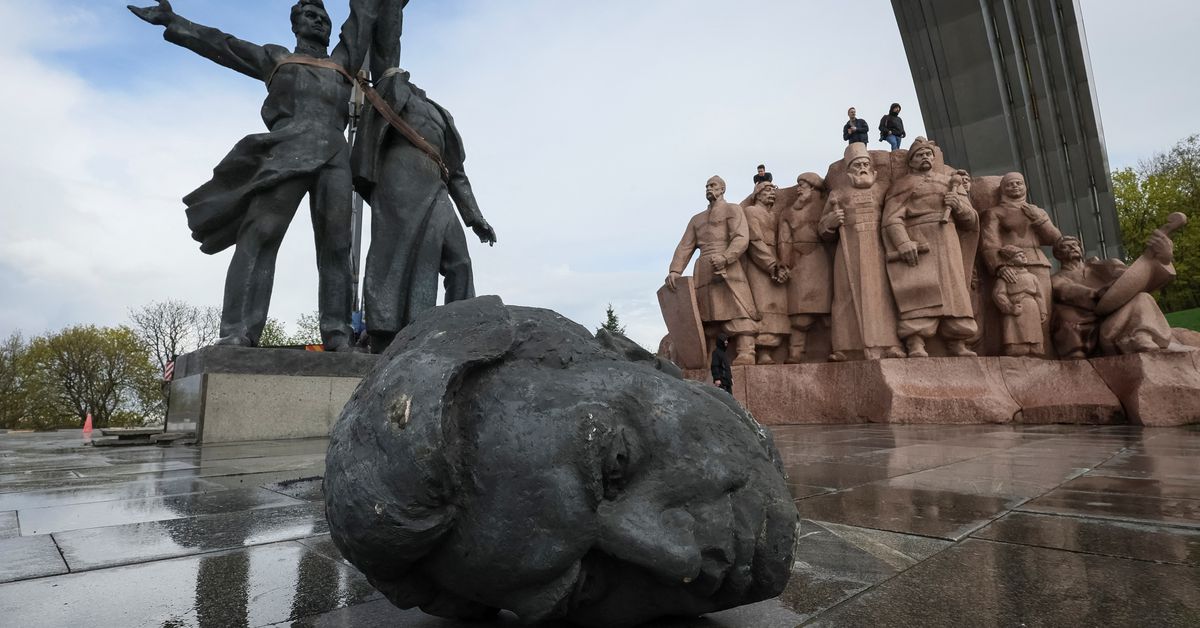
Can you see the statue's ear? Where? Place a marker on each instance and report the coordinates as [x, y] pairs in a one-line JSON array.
[[427, 360]]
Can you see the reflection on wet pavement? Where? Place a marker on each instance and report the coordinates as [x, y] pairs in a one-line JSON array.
[[902, 526]]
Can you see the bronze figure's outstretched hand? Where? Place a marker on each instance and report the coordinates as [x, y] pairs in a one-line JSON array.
[[485, 232], [160, 14]]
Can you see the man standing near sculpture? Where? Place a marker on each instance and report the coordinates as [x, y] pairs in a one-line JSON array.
[[863, 312], [924, 220], [763, 272], [257, 187], [408, 165], [804, 260], [723, 295]]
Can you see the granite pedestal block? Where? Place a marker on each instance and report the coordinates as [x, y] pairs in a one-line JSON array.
[[228, 394], [1153, 389]]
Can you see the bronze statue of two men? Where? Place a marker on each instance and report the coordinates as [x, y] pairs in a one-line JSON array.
[[407, 163]]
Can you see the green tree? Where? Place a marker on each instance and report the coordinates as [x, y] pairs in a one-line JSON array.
[[611, 322], [1168, 182], [274, 334], [106, 371], [308, 329], [12, 381]]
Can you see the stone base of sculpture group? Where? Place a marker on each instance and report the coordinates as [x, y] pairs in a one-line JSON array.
[[231, 394], [1153, 389]]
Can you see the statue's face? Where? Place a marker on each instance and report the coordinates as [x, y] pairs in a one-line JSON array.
[[1071, 251], [1019, 259], [766, 196], [922, 160], [965, 181], [1014, 188], [861, 173], [714, 190], [312, 22], [804, 192], [650, 493], [505, 458]]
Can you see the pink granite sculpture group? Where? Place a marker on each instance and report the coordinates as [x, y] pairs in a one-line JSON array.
[[897, 254]]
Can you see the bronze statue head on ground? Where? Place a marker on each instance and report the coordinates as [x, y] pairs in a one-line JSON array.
[[502, 458]]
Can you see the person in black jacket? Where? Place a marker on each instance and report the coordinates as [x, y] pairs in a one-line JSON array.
[[891, 127], [855, 130], [762, 175], [722, 374]]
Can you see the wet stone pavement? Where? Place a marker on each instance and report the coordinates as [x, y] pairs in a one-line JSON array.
[[901, 526]]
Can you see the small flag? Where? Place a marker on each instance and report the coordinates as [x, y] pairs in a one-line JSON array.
[[87, 429]]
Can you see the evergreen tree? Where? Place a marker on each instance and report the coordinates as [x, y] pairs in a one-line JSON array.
[[611, 323]]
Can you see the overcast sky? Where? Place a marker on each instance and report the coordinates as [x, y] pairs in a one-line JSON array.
[[590, 129]]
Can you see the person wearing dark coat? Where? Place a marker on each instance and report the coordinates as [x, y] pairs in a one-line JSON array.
[[722, 373], [891, 127], [856, 129], [415, 235], [762, 175]]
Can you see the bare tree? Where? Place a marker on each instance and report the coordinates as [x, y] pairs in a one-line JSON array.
[[166, 328], [170, 328]]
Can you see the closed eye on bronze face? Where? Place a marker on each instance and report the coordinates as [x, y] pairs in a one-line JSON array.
[[615, 464]]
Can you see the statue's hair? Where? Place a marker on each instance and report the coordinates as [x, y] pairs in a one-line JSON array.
[[1060, 247], [759, 187], [300, 4], [1009, 252], [812, 179], [718, 179]]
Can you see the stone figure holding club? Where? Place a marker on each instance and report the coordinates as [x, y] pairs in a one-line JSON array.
[[926, 225], [257, 187]]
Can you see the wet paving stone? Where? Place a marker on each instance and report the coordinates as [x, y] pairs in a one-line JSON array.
[[955, 480], [8, 480], [8, 525], [1106, 537], [308, 488], [1153, 467], [250, 587], [28, 557], [1182, 512], [1177, 489], [110, 492], [168, 558], [998, 584], [834, 475], [941, 514], [95, 548], [80, 516], [833, 562], [130, 469]]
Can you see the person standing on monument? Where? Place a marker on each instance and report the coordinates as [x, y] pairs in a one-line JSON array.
[[856, 129], [863, 312], [924, 222], [804, 260], [723, 295], [257, 187], [413, 178], [891, 127], [762, 175], [763, 273]]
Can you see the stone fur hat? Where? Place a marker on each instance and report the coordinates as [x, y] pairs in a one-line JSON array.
[[854, 151]]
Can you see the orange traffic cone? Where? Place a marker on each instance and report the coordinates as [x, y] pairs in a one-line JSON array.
[[87, 429]]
